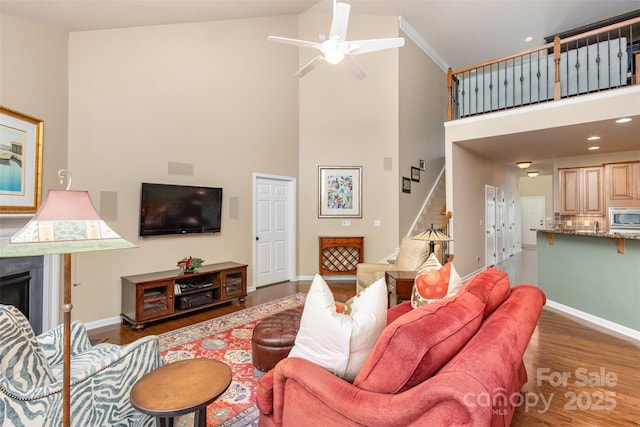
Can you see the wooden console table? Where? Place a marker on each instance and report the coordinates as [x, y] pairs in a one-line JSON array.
[[340, 255], [154, 296]]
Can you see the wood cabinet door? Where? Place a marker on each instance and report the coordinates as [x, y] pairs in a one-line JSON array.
[[592, 194], [636, 175], [621, 181], [569, 191]]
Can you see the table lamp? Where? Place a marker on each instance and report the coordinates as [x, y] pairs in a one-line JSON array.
[[432, 235], [66, 223]]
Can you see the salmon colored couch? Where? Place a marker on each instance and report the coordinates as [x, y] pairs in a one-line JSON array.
[[455, 362]]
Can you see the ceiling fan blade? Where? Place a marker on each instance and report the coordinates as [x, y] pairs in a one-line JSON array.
[[357, 47], [354, 68], [294, 42], [309, 66], [340, 21]]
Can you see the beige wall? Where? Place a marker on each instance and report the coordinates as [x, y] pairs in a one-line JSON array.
[[423, 100], [33, 81], [214, 95], [349, 122]]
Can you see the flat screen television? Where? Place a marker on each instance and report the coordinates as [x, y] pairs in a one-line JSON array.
[[179, 209]]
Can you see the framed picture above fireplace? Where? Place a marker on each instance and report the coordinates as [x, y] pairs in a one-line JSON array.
[[20, 162]]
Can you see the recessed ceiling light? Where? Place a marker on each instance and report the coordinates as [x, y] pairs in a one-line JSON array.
[[624, 120], [528, 39], [593, 138], [595, 147]]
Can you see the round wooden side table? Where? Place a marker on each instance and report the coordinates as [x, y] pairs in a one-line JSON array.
[[180, 388]]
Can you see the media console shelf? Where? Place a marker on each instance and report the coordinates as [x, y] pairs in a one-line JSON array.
[[155, 296]]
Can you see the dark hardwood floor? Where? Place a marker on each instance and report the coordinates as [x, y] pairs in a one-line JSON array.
[[579, 374]]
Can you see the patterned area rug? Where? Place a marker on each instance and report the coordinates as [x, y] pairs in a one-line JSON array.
[[228, 339]]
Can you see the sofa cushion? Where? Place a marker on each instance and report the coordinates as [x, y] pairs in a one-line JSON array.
[[413, 253], [339, 342], [491, 286], [414, 346], [434, 282]]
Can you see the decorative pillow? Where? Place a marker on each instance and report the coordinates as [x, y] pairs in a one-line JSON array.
[[338, 342], [434, 282], [417, 344]]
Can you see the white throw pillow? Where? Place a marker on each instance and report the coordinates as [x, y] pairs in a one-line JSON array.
[[339, 342]]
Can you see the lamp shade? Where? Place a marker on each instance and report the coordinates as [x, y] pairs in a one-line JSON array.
[[67, 222], [432, 235]]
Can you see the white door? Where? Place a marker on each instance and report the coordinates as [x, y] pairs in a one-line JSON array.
[[511, 229], [500, 225], [490, 225], [532, 218], [274, 223]]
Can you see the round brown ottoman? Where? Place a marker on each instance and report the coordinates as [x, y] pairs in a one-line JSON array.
[[273, 338]]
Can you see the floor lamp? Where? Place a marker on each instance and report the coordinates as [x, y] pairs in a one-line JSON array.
[[433, 235], [66, 223]]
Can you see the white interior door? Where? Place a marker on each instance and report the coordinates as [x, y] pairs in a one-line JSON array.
[[490, 225], [532, 209], [500, 225], [274, 224], [511, 228]]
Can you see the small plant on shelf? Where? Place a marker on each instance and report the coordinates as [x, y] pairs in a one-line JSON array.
[[189, 264]]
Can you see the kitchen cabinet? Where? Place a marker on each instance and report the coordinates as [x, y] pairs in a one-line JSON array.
[[623, 184], [581, 191]]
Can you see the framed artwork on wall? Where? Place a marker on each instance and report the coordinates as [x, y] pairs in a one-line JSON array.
[[339, 191], [423, 165], [20, 162], [415, 174], [406, 185]]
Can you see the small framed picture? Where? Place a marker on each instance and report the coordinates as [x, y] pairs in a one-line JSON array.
[[406, 185], [415, 174], [423, 165]]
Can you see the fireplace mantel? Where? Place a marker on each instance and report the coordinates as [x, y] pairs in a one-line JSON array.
[[11, 224]]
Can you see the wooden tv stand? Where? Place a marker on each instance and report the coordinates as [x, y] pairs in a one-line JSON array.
[[155, 296]]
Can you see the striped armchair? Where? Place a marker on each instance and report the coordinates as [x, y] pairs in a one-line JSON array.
[[101, 376]]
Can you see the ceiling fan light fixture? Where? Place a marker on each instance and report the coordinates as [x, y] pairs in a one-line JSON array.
[[523, 165], [533, 174], [334, 56]]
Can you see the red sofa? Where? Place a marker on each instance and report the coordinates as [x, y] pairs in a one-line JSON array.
[[454, 362]]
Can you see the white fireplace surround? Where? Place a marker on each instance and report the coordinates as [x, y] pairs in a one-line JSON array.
[[11, 224]]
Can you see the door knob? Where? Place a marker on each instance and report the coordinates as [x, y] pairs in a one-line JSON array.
[[257, 238]]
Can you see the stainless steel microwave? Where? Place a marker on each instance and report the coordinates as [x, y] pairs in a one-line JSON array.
[[624, 220]]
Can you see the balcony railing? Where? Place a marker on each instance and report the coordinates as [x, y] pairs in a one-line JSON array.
[[602, 59]]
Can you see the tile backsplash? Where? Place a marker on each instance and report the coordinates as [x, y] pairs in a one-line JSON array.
[[580, 222]]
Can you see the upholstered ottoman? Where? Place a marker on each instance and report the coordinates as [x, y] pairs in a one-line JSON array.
[[273, 338]]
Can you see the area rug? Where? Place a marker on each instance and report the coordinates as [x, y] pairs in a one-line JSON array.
[[228, 339]]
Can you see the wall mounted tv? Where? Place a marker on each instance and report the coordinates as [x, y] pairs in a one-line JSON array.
[[179, 209]]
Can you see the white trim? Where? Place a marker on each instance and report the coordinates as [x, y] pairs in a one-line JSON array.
[[103, 322], [422, 44], [292, 184], [615, 327], [51, 292]]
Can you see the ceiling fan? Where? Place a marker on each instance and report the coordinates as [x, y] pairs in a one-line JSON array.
[[336, 49]]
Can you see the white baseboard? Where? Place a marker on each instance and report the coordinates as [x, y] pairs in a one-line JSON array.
[[628, 332], [103, 322]]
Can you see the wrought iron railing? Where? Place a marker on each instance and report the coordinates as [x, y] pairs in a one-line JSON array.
[[598, 60]]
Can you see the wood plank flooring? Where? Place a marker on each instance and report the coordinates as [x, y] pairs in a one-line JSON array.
[[579, 374]]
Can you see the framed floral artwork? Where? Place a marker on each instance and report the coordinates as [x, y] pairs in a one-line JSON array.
[[340, 191], [20, 162], [415, 174]]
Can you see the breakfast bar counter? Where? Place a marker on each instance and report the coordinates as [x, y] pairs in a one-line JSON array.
[[595, 275]]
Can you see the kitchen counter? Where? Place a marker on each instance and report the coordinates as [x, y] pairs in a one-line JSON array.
[[627, 236]]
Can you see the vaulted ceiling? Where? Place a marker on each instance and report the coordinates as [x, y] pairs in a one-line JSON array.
[[461, 33]]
